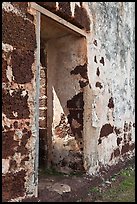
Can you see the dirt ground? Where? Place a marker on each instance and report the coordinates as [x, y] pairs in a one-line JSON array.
[[55, 187]]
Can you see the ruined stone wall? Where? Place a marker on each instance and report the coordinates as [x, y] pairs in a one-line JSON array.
[[110, 103], [19, 76], [18, 102], [102, 91], [67, 75], [73, 12]]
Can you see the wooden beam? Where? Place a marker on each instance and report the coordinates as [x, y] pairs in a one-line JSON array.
[[58, 19]]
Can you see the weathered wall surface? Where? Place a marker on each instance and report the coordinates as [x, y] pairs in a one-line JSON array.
[[110, 103], [43, 108], [67, 75], [18, 101], [98, 104]]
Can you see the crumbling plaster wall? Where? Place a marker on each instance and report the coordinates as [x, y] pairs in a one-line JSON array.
[[19, 133], [110, 103], [109, 124], [65, 101]]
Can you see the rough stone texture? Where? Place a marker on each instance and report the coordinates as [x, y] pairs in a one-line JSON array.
[[15, 106], [13, 185], [22, 7], [89, 123], [8, 141], [4, 68], [21, 62], [18, 32], [18, 102]]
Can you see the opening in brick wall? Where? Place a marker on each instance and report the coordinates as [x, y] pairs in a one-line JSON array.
[[63, 76]]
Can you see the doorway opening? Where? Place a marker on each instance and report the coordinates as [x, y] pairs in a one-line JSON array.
[[63, 76]]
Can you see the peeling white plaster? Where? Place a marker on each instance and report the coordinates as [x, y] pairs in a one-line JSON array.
[[11, 92], [72, 7], [43, 108], [15, 114], [95, 119], [17, 157], [5, 165], [18, 135], [7, 47], [8, 7], [9, 73], [24, 93]]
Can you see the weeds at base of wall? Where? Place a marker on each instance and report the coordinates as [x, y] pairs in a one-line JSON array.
[[119, 188]]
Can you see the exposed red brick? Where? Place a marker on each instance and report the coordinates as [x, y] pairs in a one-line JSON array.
[[106, 130], [17, 31], [43, 91], [98, 84], [4, 68], [125, 148], [42, 113], [9, 145], [22, 6], [43, 123], [81, 18], [21, 61], [111, 103], [15, 103], [116, 152], [13, 185], [42, 102], [15, 124]]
